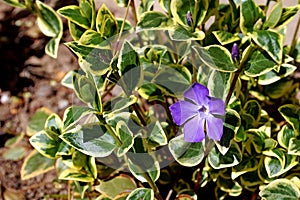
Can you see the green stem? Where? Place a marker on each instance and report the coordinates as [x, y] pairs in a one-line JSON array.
[[194, 67], [113, 134], [294, 41], [194, 24], [249, 51], [209, 146], [152, 185]]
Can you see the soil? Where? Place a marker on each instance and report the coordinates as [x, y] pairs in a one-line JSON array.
[[29, 80]]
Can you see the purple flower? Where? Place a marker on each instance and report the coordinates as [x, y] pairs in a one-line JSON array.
[[199, 113], [235, 52], [189, 18]]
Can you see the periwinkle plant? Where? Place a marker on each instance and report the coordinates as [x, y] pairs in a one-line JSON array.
[[188, 98]]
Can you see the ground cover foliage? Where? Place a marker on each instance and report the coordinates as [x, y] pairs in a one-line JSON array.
[[128, 140]]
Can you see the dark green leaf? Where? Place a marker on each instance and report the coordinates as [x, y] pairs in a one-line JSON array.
[[126, 136], [173, 79], [291, 115], [230, 159], [273, 76], [129, 68], [279, 89], [76, 175], [225, 37], [216, 57], [287, 15], [154, 20], [284, 136], [141, 193], [274, 16], [75, 30], [73, 114], [74, 14], [259, 64], [280, 189], [186, 153], [250, 13], [90, 139], [44, 144], [106, 23], [15, 3], [269, 41], [36, 164], [37, 122]]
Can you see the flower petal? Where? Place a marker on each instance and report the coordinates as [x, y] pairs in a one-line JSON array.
[[216, 106], [197, 93], [214, 127], [181, 111], [194, 130]]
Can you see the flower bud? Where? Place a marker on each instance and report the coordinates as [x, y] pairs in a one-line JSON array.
[[189, 18], [235, 52]]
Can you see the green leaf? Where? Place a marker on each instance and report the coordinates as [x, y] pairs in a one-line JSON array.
[[75, 15], [141, 163], [87, 8], [181, 33], [92, 38], [269, 41], [54, 123], [225, 37], [141, 193], [291, 114], [51, 25], [130, 68], [278, 162], [37, 122], [106, 23], [259, 63], [154, 20], [115, 186], [280, 189], [219, 84], [287, 15], [14, 140], [216, 57], [126, 136], [90, 139], [250, 13], [79, 160], [51, 47], [279, 89], [186, 153], [253, 108], [274, 16], [230, 159], [156, 135], [179, 9], [36, 164], [15, 153], [173, 79], [165, 5], [94, 60], [294, 147], [44, 144], [120, 104], [75, 175], [75, 30], [284, 136], [296, 51], [15, 3], [248, 164], [73, 114], [146, 5], [48, 21], [273, 76], [150, 92]]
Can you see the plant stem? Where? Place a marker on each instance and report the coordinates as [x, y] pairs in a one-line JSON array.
[[294, 41], [249, 51], [123, 23], [194, 24], [152, 185], [209, 146], [113, 134]]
